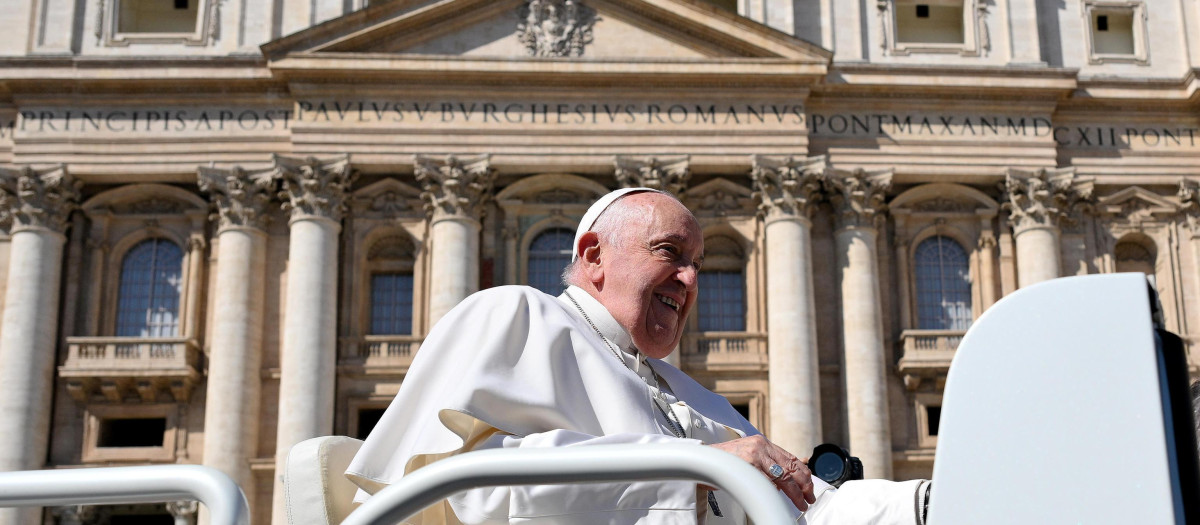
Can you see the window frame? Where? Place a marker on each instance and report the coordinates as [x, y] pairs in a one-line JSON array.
[[188, 309], [119, 267], [1141, 45], [94, 415], [921, 402], [976, 40], [110, 35], [532, 236], [370, 268], [916, 296]]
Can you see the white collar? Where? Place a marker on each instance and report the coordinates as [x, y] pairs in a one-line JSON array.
[[603, 321]]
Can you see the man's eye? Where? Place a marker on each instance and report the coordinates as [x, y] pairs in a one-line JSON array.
[[669, 249]]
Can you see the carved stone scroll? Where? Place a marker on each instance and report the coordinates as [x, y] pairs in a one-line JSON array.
[[858, 197], [1044, 198], [787, 186], [37, 198], [240, 197], [453, 185], [314, 187], [669, 175]]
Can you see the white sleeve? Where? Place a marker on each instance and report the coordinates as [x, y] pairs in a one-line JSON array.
[[666, 502], [873, 501]]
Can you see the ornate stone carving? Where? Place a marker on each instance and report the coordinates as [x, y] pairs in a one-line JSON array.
[[1189, 198], [557, 196], [390, 203], [240, 197], [454, 186], [858, 197], [151, 206], [944, 205], [787, 186], [555, 28], [314, 187], [37, 199], [669, 175], [1044, 197]]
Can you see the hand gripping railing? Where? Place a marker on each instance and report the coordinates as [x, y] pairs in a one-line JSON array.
[[123, 485], [589, 464]]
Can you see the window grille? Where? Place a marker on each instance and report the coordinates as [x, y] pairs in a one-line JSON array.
[[722, 301], [391, 303], [943, 285], [150, 286], [549, 254]]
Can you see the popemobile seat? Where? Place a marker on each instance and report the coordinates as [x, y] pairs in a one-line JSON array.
[[316, 490]]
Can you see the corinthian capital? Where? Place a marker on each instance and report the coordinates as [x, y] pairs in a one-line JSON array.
[[786, 186], [454, 186], [858, 197], [314, 187], [669, 175], [1043, 198], [37, 198], [240, 197]]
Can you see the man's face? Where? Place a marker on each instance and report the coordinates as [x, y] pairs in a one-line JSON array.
[[649, 281]]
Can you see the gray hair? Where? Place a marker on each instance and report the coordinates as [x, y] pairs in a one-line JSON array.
[[611, 226]]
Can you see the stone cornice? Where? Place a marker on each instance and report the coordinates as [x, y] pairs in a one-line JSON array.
[[785, 186], [1044, 197], [37, 199], [454, 186], [665, 174], [314, 187], [858, 197], [241, 197]]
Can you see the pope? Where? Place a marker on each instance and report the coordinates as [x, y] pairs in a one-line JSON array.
[[513, 367]]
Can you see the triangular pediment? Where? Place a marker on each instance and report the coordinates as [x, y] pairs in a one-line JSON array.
[[572, 30], [1136, 200]]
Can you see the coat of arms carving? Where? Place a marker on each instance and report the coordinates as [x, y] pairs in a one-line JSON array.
[[555, 28]]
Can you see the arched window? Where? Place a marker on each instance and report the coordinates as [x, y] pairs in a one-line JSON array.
[[722, 304], [390, 262], [148, 297], [1133, 256], [943, 285], [549, 253]]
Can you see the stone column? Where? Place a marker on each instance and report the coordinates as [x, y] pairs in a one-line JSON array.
[[1189, 198], [1038, 202], [664, 174], [987, 267], [786, 190], [37, 204], [232, 402], [455, 190], [315, 193], [858, 200]]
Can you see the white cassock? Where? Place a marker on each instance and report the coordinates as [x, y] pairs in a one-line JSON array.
[[513, 367]]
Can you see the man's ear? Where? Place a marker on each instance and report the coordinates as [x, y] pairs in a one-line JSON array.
[[589, 249]]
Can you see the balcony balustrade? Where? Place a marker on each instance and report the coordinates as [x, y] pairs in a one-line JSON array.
[[927, 355], [725, 351], [379, 354], [148, 369]]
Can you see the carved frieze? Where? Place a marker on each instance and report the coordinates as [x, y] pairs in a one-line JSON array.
[[858, 197], [1045, 198], [555, 28], [787, 186], [454, 185], [669, 175], [239, 196], [314, 187], [37, 198]]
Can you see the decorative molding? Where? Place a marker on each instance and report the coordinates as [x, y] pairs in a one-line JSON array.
[[392, 247], [976, 38], [454, 186], [1141, 44], [1045, 198], [240, 197], [669, 175], [858, 197], [785, 186], [314, 187], [151, 206], [37, 198], [555, 28]]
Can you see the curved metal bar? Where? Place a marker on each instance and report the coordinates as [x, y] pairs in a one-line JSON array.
[[123, 485], [600, 463]]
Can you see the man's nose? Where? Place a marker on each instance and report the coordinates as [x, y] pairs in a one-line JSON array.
[[688, 275]]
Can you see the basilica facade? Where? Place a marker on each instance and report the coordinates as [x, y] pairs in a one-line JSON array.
[[229, 224]]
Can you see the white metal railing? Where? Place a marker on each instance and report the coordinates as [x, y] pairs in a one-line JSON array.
[[127, 485], [432, 483]]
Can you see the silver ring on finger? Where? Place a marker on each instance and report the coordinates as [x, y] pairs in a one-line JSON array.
[[775, 472]]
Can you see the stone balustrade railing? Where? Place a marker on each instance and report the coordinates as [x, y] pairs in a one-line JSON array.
[[725, 350], [927, 355], [380, 353], [142, 368]]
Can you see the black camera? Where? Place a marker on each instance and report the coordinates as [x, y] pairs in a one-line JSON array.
[[834, 464]]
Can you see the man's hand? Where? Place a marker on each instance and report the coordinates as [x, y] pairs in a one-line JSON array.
[[796, 480]]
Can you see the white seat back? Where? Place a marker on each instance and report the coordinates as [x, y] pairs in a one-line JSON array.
[[316, 490]]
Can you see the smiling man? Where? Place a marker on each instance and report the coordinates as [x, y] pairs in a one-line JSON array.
[[512, 367]]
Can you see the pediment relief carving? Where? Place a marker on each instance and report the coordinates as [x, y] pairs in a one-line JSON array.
[[943, 205], [1136, 204], [146, 199], [387, 198], [719, 197]]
